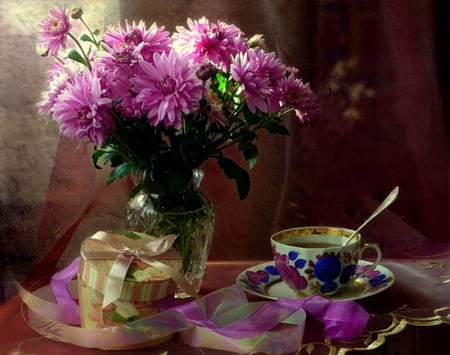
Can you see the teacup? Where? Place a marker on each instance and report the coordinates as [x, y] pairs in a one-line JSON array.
[[314, 260]]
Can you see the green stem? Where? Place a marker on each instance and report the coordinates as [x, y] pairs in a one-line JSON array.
[[126, 153], [88, 64], [94, 39]]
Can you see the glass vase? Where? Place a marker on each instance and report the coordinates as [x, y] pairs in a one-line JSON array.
[[192, 220]]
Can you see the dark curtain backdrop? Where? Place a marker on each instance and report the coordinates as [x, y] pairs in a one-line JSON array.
[[379, 67]]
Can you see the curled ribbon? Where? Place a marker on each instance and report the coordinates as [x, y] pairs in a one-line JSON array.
[[111, 247], [223, 320]]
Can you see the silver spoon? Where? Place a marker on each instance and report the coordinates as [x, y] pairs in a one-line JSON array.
[[387, 201]]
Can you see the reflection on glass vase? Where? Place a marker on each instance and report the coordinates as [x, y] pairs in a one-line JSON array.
[[191, 218]]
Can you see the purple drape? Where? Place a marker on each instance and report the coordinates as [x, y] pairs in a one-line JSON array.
[[383, 84]]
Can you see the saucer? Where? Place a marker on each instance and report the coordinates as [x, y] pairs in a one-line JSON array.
[[264, 281]]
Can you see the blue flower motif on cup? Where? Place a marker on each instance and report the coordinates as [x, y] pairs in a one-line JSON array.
[[292, 255], [326, 270], [300, 263], [272, 270], [328, 287], [377, 280]]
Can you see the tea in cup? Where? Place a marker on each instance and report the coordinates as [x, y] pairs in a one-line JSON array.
[[314, 260]]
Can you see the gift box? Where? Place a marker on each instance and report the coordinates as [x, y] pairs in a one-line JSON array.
[[122, 275]]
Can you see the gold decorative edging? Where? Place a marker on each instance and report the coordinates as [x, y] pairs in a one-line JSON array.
[[373, 339], [427, 319]]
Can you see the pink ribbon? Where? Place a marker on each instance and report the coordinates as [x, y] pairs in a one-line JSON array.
[[343, 320], [59, 285], [222, 320]]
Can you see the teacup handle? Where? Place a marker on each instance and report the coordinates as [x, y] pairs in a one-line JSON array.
[[377, 261]]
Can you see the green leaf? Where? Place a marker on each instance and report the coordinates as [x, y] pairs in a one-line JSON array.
[[250, 117], [282, 130], [233, 171], [136, 190], [86, 38], [108, 155], [222, 82], [250, 151], [96, 156], [252, 162], [74, 55], [277, 128], [121, 171]]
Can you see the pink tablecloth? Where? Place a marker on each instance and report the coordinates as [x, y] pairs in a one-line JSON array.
[[408, 313]]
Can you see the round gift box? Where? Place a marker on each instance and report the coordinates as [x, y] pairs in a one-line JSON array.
[[136, 298]]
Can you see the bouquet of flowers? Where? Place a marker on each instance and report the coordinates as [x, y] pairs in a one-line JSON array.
[[162, 104]]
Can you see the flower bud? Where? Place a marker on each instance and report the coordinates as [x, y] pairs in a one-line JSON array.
[[42, 50], [257, 41], [206, 71], [76, 13]]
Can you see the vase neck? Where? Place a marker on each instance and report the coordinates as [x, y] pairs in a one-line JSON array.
[[188, 198]]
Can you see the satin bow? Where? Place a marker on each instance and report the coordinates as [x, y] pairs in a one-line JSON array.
[[111, 247]]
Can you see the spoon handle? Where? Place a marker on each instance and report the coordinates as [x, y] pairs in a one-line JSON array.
[[387, 201]]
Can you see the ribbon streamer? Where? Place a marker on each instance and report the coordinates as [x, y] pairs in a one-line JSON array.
[[111, 247], [153, 330], [222, 320], [59, 285], [343, 320]]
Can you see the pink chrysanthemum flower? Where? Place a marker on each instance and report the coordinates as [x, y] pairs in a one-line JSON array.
[[217, 42], [120, 91], [257, 72], [116, 57], [298, 95], [55, 87], [116, 76], [59, 76], [132, 39], [83, 112], [53, 32], [167, 88]]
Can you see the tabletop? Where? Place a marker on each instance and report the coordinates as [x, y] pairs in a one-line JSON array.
[[410, 317]]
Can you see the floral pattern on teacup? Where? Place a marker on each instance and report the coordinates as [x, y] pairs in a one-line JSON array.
[[290, 273], [324, 274], [259, 278], [375, 277], [330, 272]]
